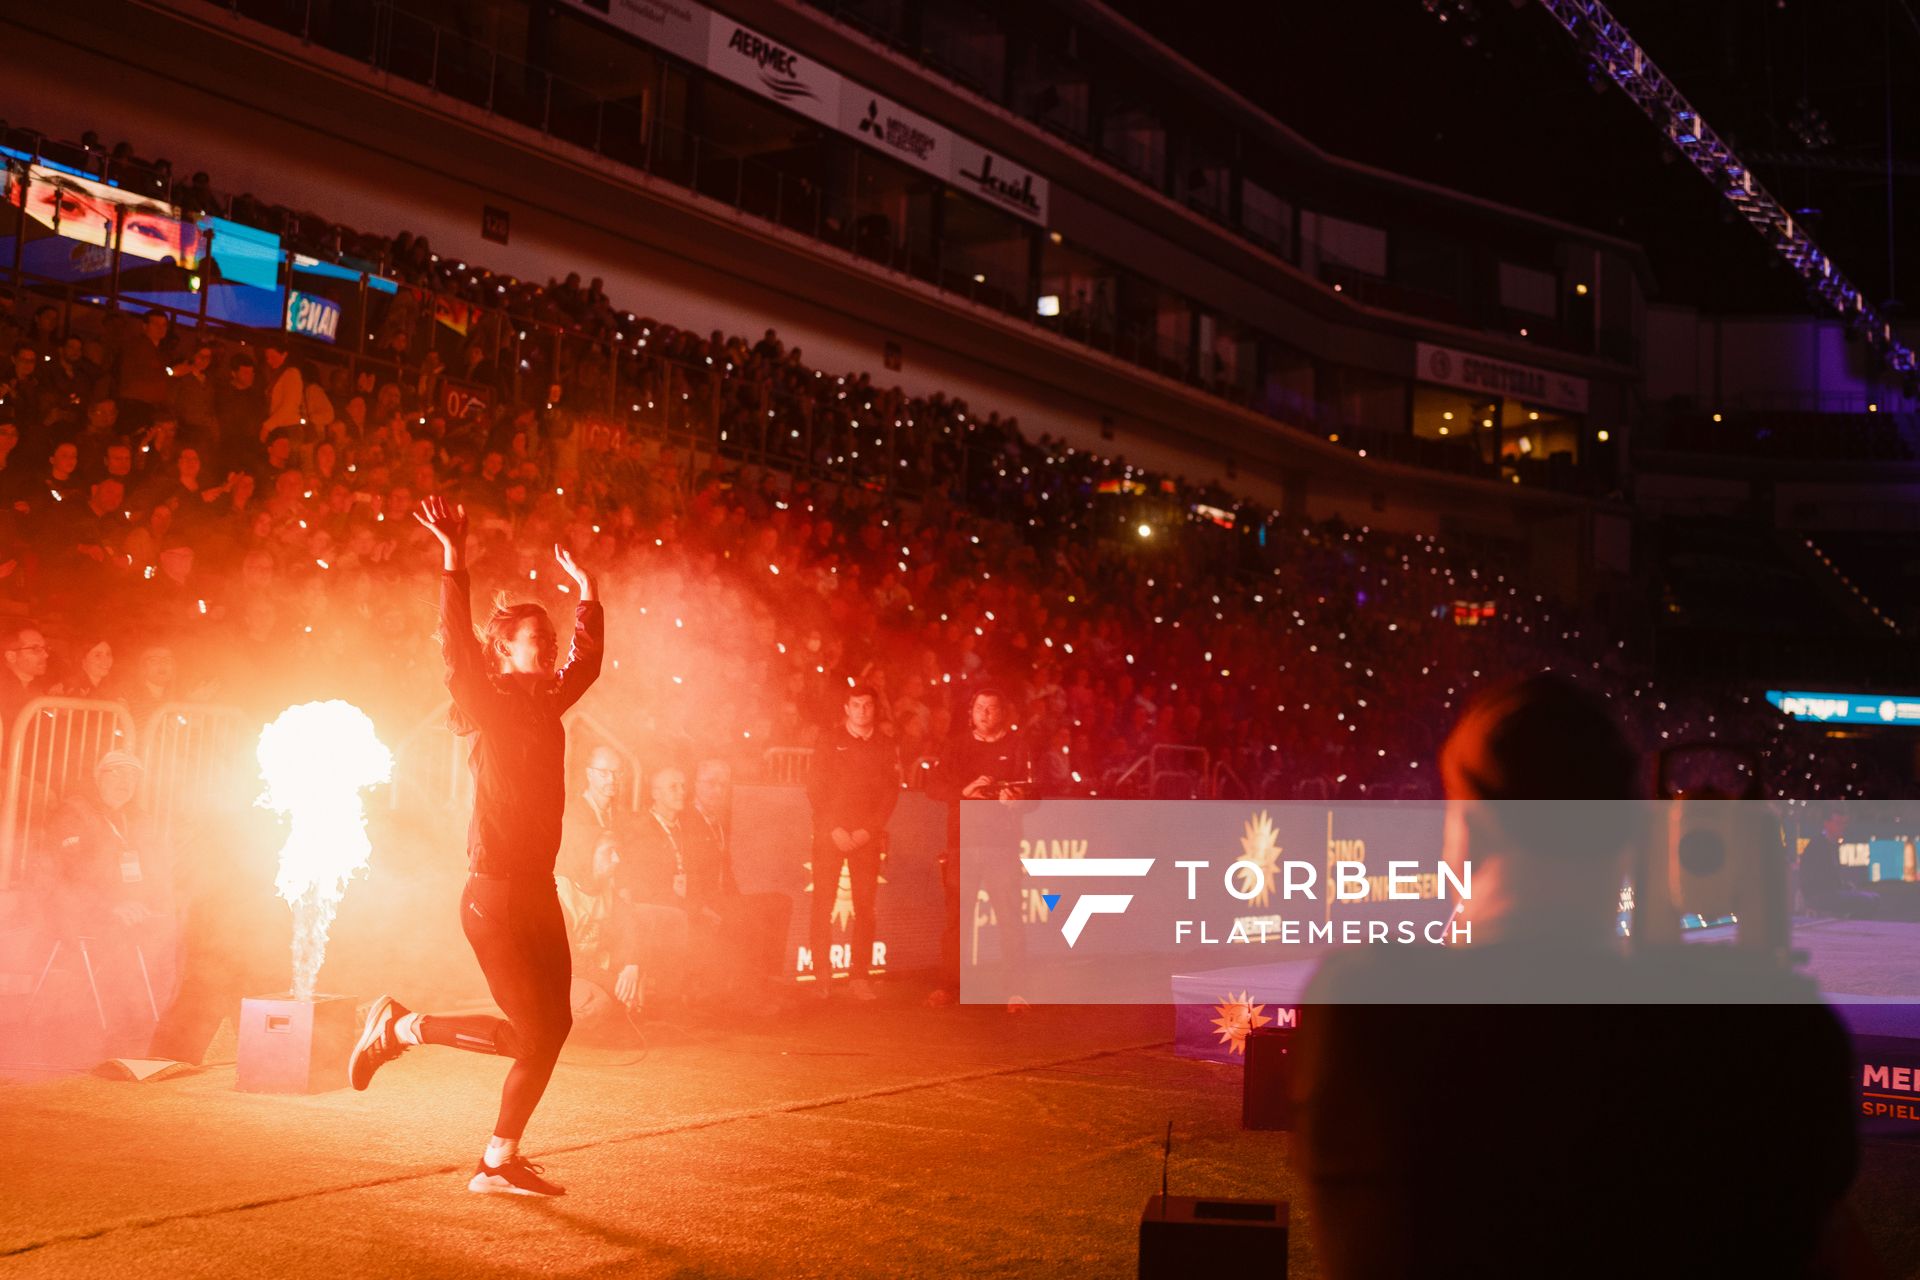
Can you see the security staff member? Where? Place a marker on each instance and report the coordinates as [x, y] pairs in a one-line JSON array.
[[853, 787]]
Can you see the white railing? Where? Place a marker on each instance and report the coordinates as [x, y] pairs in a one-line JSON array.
[[197, 754], [52, 748], [786, 766]]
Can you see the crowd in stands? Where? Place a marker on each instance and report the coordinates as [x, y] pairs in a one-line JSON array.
[[225, 514], [226, 527]]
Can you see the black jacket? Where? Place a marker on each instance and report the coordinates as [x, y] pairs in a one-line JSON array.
[[519, 746], [101, 859], [854, 783], [965, 758]]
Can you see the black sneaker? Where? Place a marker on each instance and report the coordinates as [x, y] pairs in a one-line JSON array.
[[518, 1176], [377, 1042]]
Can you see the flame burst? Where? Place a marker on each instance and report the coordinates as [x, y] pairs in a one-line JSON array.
[[1237, 1017], [315, 758]]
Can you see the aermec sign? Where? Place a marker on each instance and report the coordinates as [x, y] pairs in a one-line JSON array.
[[311, 316], [783, 74], [1470, 372], [773, 70], [1847, 708]]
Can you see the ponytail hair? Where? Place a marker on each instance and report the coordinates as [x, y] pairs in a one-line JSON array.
[[498, 630], [493, 637]]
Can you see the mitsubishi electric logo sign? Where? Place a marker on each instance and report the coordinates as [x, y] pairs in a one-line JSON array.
[[800, 84], [888, 128], [1089, 904]]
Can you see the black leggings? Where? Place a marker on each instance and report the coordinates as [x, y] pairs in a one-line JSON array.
[[519, 936]]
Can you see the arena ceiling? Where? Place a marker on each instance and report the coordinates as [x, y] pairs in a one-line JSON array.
[[1495, 100]]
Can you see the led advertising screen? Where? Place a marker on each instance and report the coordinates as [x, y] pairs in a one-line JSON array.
[[72, 224]]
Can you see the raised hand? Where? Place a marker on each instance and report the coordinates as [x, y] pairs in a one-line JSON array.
[[574, 571], [447, 522]]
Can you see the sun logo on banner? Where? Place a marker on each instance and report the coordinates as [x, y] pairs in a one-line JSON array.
[[1260, 843], [1237, 1017], [842, 914]]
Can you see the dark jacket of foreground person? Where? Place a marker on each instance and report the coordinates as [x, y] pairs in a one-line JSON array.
[[519, 746], [854, 783], [1566, 1139]]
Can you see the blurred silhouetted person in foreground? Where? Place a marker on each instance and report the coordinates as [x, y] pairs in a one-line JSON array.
[[1541, 1112]]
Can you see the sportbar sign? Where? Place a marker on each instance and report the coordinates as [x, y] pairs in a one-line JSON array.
[[777, 71], [1470, 372]]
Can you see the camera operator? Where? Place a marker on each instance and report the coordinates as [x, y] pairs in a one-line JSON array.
[[988, 760]]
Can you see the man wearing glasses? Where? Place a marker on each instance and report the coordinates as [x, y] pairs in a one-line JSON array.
[[597, 810], [25, 651]]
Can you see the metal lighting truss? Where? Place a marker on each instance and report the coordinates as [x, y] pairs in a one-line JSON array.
[[1610, 51]]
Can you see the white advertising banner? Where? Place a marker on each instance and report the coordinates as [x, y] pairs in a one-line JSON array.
[[892, 130], [997, 180], [772, 70], [679, 28], [1484, 374]]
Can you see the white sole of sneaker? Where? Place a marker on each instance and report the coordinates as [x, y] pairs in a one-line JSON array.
[[493, 1184], [368, 1034]]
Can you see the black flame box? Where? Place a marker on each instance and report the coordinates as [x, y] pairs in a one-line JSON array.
[[294, 1045], [1184, 1236]]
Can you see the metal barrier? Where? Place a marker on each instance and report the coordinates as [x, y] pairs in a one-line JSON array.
[[788, 766], [196, 754], [1183, 766], [51, 750], [1226, 784], [1128, 781], [429, 764], [1165, 772]]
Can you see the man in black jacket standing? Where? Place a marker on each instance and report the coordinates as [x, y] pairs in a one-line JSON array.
[[854, 785]]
